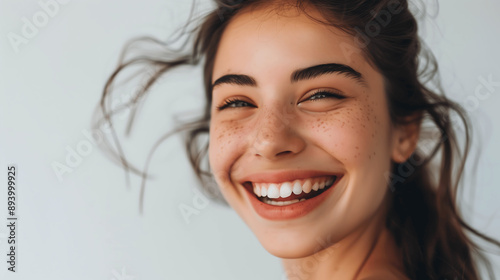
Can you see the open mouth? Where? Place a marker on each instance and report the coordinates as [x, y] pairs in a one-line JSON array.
[[287, 193]]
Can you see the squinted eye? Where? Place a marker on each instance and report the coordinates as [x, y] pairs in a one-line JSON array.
[[234, 103], [322, 100], [321, 94]]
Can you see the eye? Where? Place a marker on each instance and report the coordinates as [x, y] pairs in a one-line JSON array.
[[322, 100], [323, 93], [234, 103]]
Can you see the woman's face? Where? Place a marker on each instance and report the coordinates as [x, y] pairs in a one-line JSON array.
[[301, 107]]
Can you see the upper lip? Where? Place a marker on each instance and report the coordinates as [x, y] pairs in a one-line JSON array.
[[285, 176]]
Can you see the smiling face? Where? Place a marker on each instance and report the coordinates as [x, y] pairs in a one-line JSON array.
[[292, 108]]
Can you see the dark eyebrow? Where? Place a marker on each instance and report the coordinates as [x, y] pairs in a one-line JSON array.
[[242, 80], [297, 75], [323, 69]]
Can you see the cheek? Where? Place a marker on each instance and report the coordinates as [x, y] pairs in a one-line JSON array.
[[226, 138], [354, 134]]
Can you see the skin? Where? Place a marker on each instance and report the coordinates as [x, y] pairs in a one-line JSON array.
[[277, 126]]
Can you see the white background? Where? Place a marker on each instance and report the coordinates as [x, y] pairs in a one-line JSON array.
[[87, 226]]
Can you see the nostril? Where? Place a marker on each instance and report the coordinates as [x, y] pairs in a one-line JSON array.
[[283, 153], [277, 154]]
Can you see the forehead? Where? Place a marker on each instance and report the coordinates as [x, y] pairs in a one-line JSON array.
[[264, 40]]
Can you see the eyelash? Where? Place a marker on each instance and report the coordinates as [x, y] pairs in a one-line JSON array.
[[326, 93], [230, 103]]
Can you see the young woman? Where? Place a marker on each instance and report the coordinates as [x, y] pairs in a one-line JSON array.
[[315, 113]]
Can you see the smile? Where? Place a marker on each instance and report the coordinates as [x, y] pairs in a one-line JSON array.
[[287, 193], [292, 198]]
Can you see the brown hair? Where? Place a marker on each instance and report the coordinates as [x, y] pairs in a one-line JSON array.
[[435, 240]]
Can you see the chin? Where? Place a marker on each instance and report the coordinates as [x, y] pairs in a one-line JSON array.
[[295, 241], [295, 250]]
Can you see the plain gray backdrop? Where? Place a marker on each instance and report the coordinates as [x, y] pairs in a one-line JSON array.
[[86, 224]]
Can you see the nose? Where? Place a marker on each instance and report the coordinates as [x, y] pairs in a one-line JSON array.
[[275, 135]]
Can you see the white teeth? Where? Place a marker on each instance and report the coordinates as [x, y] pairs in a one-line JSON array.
[[286, 190], [297, 188], [307, 186], [256, 190], [263, 191], [273, 191], [330, 181], [281, 203]]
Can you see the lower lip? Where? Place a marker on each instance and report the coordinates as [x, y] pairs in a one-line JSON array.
[[292, 211]]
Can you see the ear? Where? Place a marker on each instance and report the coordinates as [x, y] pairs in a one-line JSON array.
[[405, 138]]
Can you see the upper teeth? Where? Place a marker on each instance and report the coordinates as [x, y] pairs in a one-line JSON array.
[[285, 189]]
